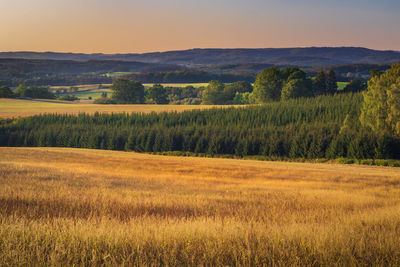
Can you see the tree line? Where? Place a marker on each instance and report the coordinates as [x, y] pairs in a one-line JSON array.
[[272, 84], [320, 127], [188, 76]]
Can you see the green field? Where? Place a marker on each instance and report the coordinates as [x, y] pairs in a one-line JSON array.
[[94, 94], [341, 85]]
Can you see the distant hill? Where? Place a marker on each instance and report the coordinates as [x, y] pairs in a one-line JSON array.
[[14, 71], [302, 57], [70, 66]]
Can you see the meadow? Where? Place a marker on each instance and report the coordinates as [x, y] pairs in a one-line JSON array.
[[342, 85], [12, 108], [61, 206]]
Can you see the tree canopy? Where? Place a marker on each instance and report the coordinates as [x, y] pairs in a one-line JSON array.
[[128, 91], [157, 94], [34, 92], [5, 92], [356, 85], [268, 85], [381, 106], [214, 93], [274, 84]]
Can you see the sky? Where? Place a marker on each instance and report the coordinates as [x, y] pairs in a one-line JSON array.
[[133, 26]]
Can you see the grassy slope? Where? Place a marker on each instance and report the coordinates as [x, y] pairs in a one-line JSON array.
[[64, 206], [21, 108]]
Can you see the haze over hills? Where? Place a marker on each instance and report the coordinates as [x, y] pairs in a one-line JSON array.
[[304, 57]]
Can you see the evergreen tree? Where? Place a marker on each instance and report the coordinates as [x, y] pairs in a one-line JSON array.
[[331, 83], [319, 84]]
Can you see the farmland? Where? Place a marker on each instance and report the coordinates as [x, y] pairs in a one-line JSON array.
[[10, 108], [63, 206], [196, 85]]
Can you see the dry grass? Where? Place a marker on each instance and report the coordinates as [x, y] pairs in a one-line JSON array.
[[10, 108], [89, 207]]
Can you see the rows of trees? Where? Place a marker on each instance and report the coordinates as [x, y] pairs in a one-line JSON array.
[[217, 93], [26, 91], [188, 76], [272, 84], [321, 127], [133, 92]]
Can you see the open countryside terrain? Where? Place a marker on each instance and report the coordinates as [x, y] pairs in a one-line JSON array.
[[95, 91], [11, 108], [62, 206]]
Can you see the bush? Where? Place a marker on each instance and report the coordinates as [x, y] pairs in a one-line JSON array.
[[68, 98], [345, 161], [104, 100], [6, 92], [34, 92]]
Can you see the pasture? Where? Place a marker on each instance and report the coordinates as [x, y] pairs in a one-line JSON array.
[[10, 108], [341, 85], [91, 94], [62, 206]]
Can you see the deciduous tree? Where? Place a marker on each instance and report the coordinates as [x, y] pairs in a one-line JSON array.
[[128, 91], [381, 106]]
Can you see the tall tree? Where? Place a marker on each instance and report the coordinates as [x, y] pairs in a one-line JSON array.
[[158, 94], [5, 92], [268, 85], [319, 84], [295, 88], [214, 94], [331, 83], [128, 91], [381, 106]]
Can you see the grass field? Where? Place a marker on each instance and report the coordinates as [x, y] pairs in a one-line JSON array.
[[196, 85], [94, 94], [342, 85], [10, 108], [88, 207]]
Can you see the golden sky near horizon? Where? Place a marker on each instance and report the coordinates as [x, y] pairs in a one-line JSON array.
[[123, 26]]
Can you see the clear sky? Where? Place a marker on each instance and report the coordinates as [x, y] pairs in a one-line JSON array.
[[122, 26]]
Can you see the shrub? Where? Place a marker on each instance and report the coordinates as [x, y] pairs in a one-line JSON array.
[[104, 100], [68, 98]]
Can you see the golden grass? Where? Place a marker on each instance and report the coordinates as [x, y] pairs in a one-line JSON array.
[[10, 108], [62, 206], [196, 85]]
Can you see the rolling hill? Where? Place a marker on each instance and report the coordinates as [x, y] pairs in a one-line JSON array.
[[304, 57]]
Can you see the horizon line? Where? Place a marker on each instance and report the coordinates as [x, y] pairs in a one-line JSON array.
[[196, 48]]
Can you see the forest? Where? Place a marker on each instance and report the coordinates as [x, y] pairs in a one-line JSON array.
[[321, 127]]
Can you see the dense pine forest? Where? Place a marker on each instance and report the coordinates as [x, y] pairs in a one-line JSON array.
[[310, 128]]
